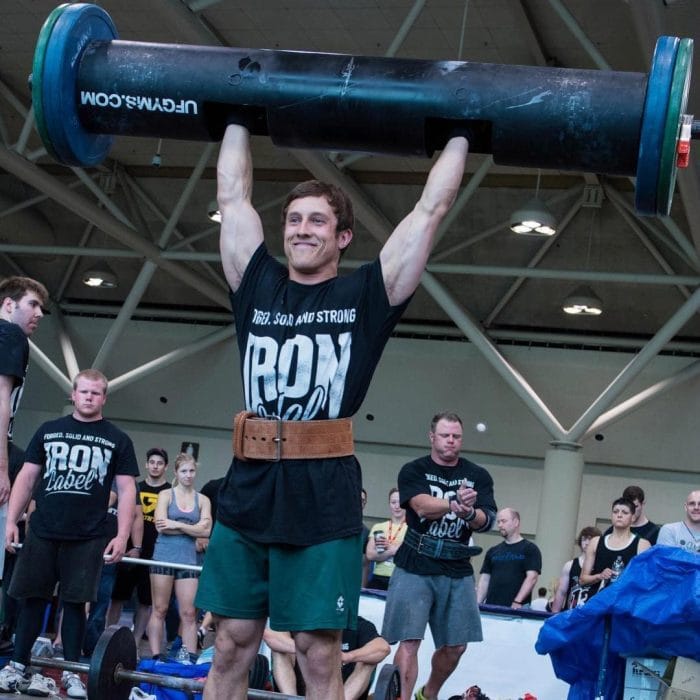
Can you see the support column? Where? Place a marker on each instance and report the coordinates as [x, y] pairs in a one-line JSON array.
[[559, 507]]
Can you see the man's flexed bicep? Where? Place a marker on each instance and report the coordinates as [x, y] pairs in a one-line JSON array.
[[241, 228], [406, 252]]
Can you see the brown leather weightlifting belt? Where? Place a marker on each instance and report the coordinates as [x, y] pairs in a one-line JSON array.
[[273, 439]]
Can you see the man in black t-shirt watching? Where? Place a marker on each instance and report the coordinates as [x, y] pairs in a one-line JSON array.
[[361, 650], [141, 544], [510, 569], [70, 465], [289, 518], [447, 498], [21, 307]]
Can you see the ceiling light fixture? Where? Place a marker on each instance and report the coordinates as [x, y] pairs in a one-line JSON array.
[[213, 212], [100, 276], [583, 302], [534, 218]]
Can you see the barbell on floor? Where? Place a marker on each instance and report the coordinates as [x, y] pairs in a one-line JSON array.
[[112, 672], [88, 86]]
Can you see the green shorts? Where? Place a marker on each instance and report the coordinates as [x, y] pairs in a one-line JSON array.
[[298, 588]]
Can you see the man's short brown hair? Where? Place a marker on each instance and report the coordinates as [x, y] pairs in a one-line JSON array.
[[16, 287], [93, 375], [339, 202], [449, 416], [634, 493]]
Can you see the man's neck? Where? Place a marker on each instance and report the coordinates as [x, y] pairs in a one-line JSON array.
[[313, 278], [693, 527], [92, 419], [442, 462], [643, 520], [155, 482], [514, 538]]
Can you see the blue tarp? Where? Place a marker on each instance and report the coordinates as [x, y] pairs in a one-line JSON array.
[[654, 609]]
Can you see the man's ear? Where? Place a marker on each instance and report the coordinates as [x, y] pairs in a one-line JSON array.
[[344, 238]]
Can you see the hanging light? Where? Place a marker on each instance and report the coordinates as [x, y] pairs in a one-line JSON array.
[[534, 218], [101, 276], [583, 302], [213, 213]]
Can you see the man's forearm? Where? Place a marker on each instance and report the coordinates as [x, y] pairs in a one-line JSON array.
[[526, 588]]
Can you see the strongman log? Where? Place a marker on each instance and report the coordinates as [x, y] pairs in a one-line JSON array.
[[88, 86]]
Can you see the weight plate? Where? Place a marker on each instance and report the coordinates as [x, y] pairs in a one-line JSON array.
[[678, 101], [75, 27], [653, 122], [388, 685], [37, 78], [115, 649]]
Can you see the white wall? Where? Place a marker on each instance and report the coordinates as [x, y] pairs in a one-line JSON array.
[[655, 447]]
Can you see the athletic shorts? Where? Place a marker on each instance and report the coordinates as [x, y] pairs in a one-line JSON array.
[[76, 564], [298, 588], [447, 604], [130, 577], [177, 574]]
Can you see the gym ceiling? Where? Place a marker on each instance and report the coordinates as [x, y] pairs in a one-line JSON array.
[[56, 222]]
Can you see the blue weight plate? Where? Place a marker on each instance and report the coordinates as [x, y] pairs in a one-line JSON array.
[[677, 104], [75, 28], [653, 122], [37, 78]]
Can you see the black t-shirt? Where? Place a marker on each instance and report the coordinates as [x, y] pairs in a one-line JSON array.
[[307, 352], [79, 462], [14, 360], [148, 500], [424, 476], [211, 491], [507, 564]]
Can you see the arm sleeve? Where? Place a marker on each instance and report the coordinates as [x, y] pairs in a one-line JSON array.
[[366, 631], [411, 483]]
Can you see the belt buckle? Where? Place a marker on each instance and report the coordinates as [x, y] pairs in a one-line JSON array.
[[420, 544], [278, 438]]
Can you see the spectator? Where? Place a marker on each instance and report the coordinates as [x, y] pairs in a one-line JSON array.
[[446, 498], [571, 593], [21, 307], [541, 603], [361, 650], [10, 605], [181, 516], [384, 541], [132, 577], [686, 533], [69, 468], [607, 556], [511, 568], [641, 525]]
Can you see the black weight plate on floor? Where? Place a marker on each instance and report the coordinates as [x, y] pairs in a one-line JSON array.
[[115, 649], [388, 685]]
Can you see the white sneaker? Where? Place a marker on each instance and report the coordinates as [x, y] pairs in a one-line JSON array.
[[74, 687], [41, 686], [10, 678]]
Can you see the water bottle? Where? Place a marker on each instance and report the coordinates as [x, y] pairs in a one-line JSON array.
[[617, 568], [183, 656]]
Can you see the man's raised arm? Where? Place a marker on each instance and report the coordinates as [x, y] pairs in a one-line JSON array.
[[405, 254], [241, 228]]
